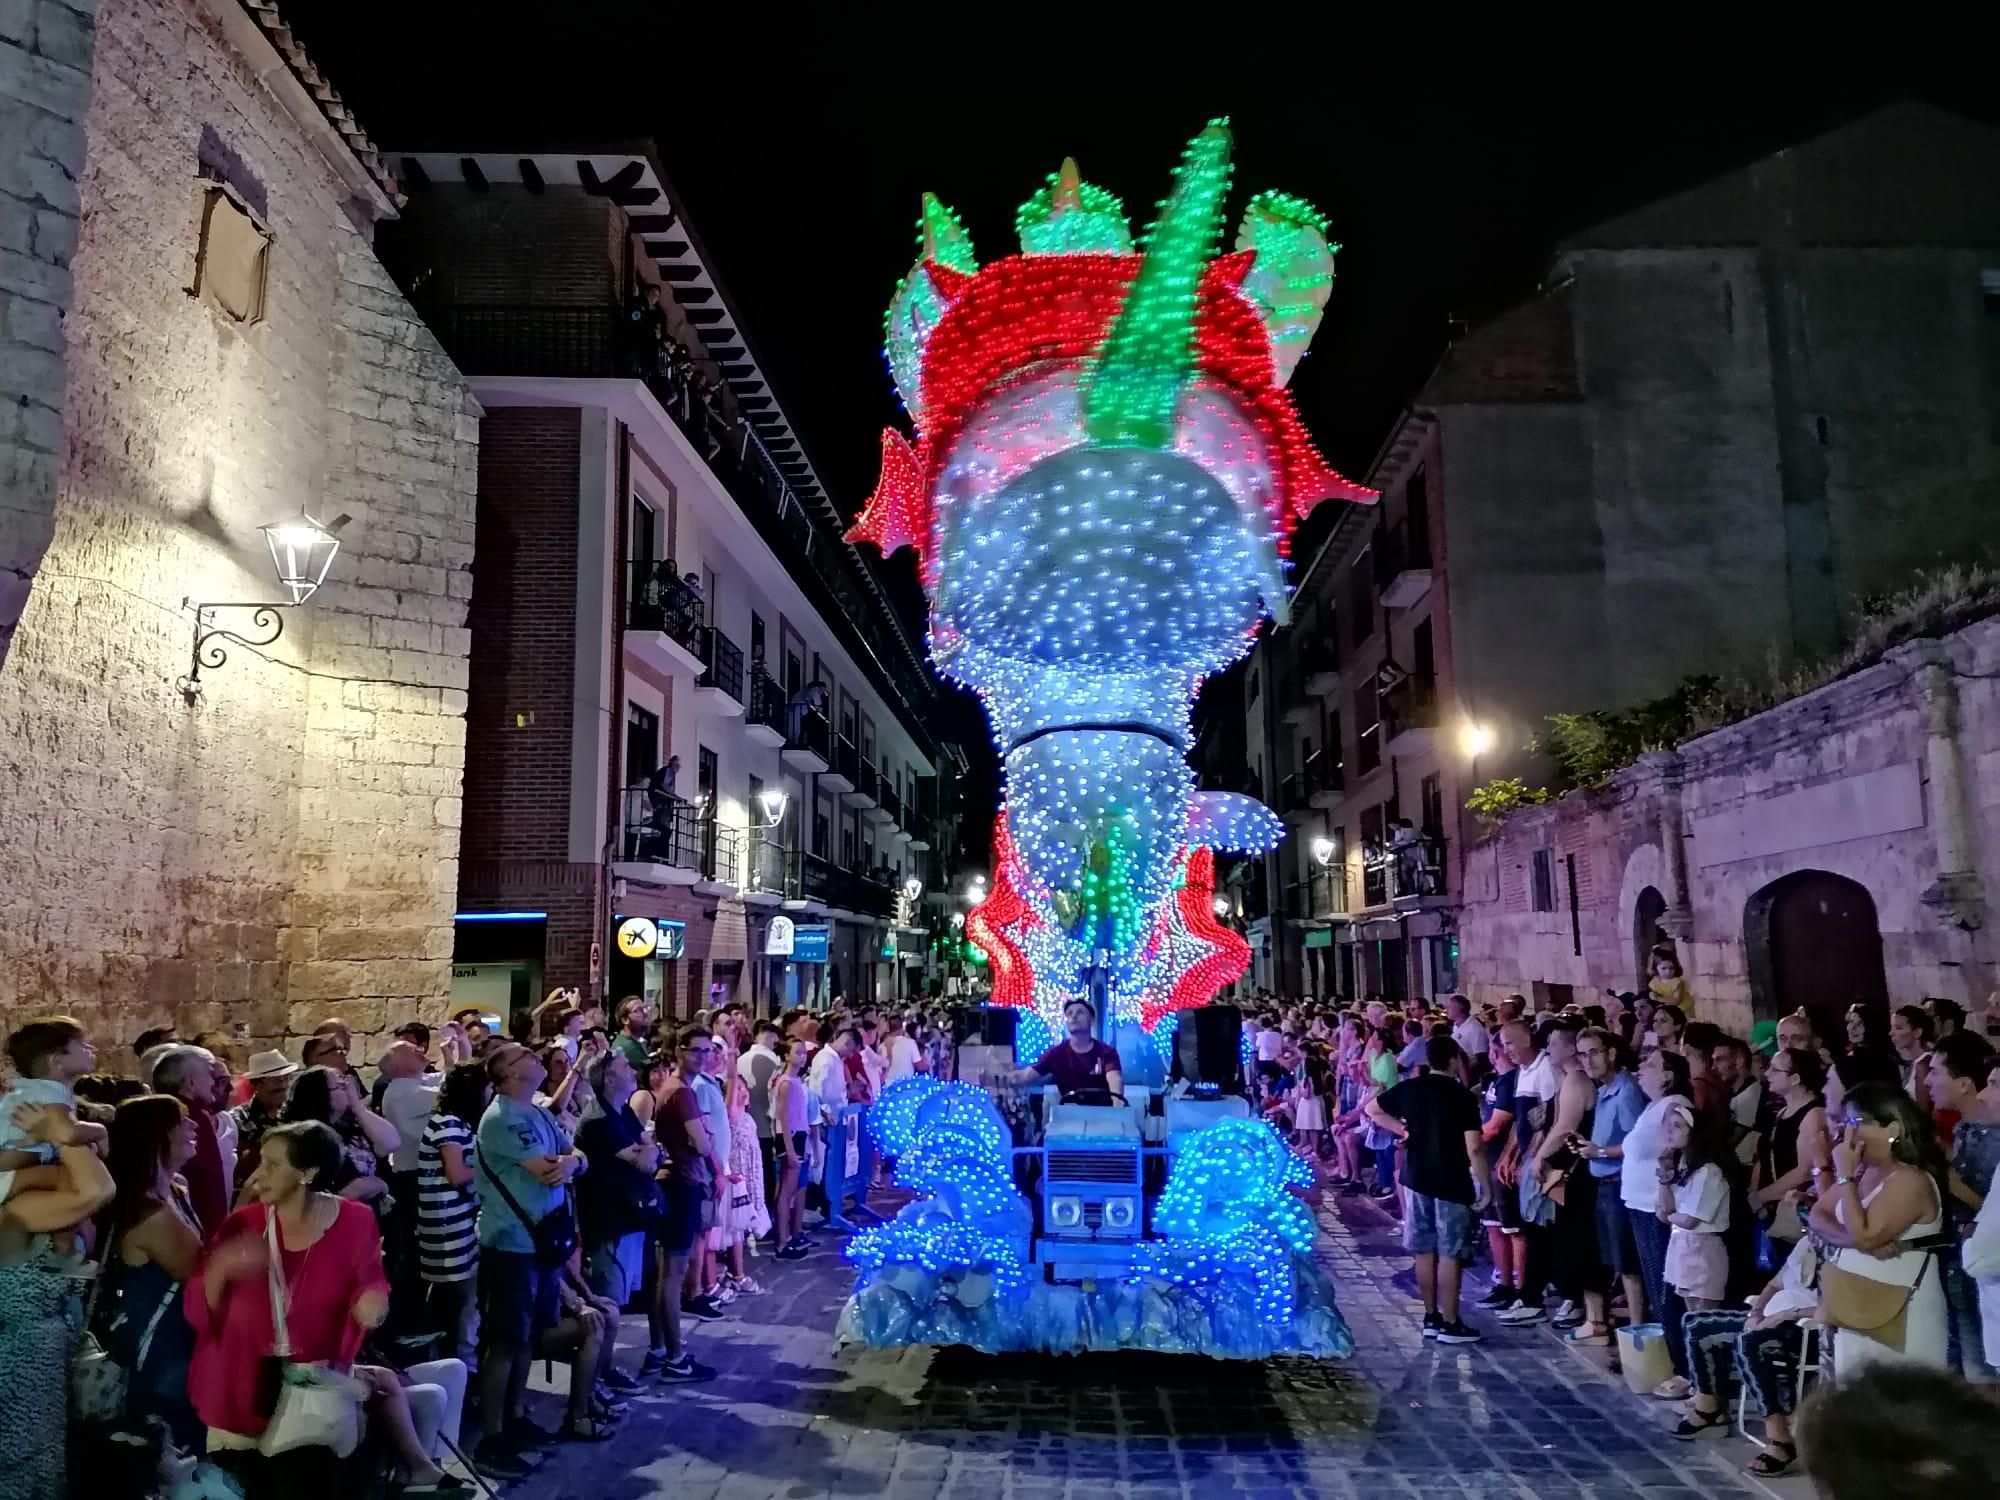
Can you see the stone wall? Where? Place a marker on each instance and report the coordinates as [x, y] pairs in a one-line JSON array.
[[45, 48], [1889, 779], [284, 846]]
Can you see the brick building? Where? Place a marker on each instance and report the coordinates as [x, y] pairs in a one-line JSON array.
[[661, 576], [1727, 418], [198, 340]]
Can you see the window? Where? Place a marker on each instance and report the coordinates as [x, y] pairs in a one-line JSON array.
[[644, 542], [1423, 655], [705, 778], [1252, 698], [708, 594], [1433, 805], [822, 828], [1575, 916], [1361, 600], [642, 743], [1542, 881], [757, 641], [1367, 727], [847, 842], [1417, 519], [1374, 866], [230, 256]]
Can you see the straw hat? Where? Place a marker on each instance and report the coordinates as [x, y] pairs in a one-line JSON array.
[[269, 1065]]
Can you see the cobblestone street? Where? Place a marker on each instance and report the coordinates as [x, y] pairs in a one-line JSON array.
[[1518, 1415]]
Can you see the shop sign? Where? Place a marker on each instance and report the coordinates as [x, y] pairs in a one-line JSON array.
[[642, 937], [810, 944], [778, 938]]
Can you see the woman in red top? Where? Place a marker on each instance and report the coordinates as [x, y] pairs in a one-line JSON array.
[[331, 1255]]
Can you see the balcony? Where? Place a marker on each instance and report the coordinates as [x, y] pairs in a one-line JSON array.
[[663, 625], [659, 839], [553, 342], [881, 797], [1410, 718], [718, 692], [1295, 797], [809, 886], [1329, 891], [1326, 782], [1319, 665], [721, 869], [808, 742], [867, 895], [845, 766], [766, 724], [1407, 873], [766, 869], [1402, 566], [863, 794], [1301, 708]]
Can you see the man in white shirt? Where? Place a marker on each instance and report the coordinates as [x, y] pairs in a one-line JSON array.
[[905, 1057], [1466, 1030], [828, 1080], [759, 1069]]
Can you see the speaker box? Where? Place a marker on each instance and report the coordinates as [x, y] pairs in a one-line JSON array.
[[1209, 1047], [984, 1025]]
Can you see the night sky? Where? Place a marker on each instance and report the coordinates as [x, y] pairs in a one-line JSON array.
[[1449, 178]]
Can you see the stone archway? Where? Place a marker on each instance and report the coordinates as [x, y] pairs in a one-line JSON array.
[[1813, 943]]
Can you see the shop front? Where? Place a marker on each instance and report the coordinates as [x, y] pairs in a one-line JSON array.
[[646, 958], [497, 961]]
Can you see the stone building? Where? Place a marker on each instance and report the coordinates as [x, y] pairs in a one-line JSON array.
[[1726, 418], [1841, 847], [199, 341], [662, 577]]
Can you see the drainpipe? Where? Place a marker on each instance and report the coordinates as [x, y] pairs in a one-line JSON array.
[[1957, 897]]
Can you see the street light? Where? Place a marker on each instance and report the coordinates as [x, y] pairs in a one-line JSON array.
[[771, 803], [912, 887], [1322, 850], [302, 549], [1475, 740], [1221, 904]]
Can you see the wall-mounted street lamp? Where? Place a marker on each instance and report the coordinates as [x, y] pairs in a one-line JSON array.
[[1221, 904], [771, 805], [1322, 850], [912, 887], [302, 549], [1475, 740]]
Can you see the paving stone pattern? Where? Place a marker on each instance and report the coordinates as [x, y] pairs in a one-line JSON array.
[[787, 1419]]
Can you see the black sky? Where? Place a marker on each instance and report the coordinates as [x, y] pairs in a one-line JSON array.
[[801, 155]]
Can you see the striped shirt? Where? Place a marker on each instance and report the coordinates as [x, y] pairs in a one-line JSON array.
[[447, 1248]]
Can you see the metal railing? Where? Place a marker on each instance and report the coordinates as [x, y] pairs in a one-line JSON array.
[[846, 759], [660, 599], [1398, 550], [811, 878], [1295, 793], [809, 730], [721, 663], [589, 342], [767, 701], [892, 804], [1317, 656], [1409, 870], [1411, 704], [766, 870], [659, 828], [1323, 771], [721, 853]]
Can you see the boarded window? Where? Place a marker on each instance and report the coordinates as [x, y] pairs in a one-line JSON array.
[[229, 263], [1542, 880]]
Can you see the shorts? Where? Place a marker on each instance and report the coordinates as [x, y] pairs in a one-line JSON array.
[[1697, 1264], [686, 1204], [616, 1268], [518, 1298], [801, 1139], [1437, 1226], [1504, 1212], [1617, 1251]]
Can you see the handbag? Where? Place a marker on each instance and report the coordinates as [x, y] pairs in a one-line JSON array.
[[97, 1383], [317, 1406], [554, 1233], [1879, 1309]]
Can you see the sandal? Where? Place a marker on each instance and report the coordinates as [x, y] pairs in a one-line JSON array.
[[1590, 1336], [1695, 1423], [587, 1430], [1769, 1465]]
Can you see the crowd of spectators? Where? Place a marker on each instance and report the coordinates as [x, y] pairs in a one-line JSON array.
[[271, 1275], [1770, 1202]]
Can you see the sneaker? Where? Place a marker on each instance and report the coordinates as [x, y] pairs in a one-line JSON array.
[[1432, 1323], [794, 1251], [1501, 1296], [618, 1381], [1381, 1194], [1455, 1332], [1567, 1309], [1520, 1312], [655, 1361], [722, 1293], [745, 1286], [683, 1370], [1673, 1388], [701, 1309]]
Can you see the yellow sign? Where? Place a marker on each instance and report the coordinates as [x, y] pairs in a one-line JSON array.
[[638, 937]]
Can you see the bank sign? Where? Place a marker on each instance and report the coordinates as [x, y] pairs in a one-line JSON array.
[[810, 944]]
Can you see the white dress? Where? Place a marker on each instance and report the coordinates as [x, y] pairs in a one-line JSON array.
[[1925, 1337], [1308, 1111]]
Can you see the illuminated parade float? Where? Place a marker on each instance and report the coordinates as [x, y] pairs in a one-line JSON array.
[[1101, 496]]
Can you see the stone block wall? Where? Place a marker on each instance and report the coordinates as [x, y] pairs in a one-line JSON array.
[[45, 52], [1853, 780], [284, 847]]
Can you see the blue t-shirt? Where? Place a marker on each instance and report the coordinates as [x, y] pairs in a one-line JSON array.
[[509, 1134], [1619, 1105]]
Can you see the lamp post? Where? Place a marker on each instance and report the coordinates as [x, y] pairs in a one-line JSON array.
[[302, 550]]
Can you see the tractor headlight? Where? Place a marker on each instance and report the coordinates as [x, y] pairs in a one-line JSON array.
[[1119, 1213], [1065, 1213]]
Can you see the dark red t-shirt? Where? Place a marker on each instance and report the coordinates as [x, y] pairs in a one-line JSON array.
[[1071, 1070]]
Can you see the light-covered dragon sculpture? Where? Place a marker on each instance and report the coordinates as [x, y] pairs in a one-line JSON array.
[[1101, 493]]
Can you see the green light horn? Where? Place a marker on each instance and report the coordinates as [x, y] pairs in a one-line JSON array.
[[1149, 353]]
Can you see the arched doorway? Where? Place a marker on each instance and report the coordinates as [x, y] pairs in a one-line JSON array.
[[1813, 944], [1647, 934]]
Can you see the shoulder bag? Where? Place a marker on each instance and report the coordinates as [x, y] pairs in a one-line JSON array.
[[554, 1234], [317, 1406], [97, 1381]]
